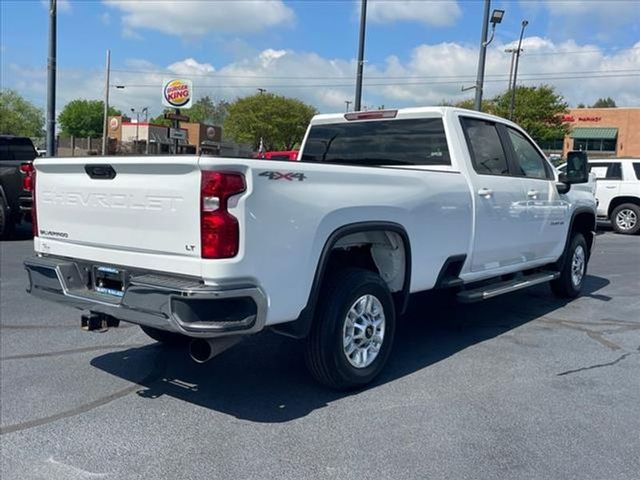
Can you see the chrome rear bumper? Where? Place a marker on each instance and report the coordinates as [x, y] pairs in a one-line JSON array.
[[178, 304]]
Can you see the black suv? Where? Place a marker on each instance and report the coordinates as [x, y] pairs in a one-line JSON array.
[[16, 169]]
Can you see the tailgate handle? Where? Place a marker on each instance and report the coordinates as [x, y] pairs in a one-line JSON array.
[[100, 172]]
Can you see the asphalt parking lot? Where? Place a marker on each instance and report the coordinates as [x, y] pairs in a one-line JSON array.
[[522, 386]]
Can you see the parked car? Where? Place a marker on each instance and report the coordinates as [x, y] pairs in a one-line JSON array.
[[16, 169], [278, 155], [328, 249], [617, 182]]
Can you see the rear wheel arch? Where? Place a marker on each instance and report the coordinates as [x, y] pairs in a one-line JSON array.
[[373, 259], [617, 201]]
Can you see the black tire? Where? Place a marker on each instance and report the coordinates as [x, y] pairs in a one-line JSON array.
[[566, 286], [625, 218], [164, 337], [6, 222], [325, 355]]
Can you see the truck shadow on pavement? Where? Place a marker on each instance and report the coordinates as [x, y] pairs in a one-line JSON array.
[[263, 379]]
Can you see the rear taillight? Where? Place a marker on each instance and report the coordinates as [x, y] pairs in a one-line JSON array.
[[27, 176], [219, 230], [34, 215]]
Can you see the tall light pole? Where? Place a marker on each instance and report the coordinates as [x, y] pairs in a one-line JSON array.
[[51, 81], [512, 51], [363, 22], [347, 103], [496, 17], [105, 122], [515, 71]]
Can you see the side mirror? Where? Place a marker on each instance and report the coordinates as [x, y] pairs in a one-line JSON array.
[[577, 168]]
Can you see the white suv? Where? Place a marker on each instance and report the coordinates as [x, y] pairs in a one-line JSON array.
[[618, 192]]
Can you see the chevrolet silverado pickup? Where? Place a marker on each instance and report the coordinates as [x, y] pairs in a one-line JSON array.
[[328, 249]]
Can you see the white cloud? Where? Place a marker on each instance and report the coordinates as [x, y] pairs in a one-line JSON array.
[[432, 74], [189, 66], [196, 18], [105, 18], [625, 9], [436, 13], [268, 56], [599, 20]]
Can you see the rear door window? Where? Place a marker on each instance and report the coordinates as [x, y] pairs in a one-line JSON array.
[[487, 153], [606, 170], [373, 143], [636, 168]]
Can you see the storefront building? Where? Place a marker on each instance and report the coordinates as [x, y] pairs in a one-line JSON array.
[[602, 132], [128, 137]]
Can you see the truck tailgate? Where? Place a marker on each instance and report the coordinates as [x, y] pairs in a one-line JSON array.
[[138, 204]]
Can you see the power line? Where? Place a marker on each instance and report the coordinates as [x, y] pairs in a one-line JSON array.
[[347, 85], [381, 77], [576, 52]]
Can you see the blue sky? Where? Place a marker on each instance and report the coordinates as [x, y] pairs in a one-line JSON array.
[[418, 52]]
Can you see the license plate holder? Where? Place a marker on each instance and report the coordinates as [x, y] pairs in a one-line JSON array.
[[109, 280]]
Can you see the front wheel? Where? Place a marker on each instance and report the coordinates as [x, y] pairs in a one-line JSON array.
[[574, 269], [352, 334], [625, 218]]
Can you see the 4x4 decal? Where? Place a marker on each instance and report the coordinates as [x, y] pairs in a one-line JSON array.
[[290, 176]]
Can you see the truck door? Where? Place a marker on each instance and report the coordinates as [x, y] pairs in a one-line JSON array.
[[608, 179], [499, 203], [547, 213]]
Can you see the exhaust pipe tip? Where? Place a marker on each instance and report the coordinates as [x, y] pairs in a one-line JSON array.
[[200, 350]]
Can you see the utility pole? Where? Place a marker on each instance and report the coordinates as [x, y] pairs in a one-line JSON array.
[[512, 51], [105, 123], [51, 81], [363, 22], [515, 71], [347, 103], [481, 59]]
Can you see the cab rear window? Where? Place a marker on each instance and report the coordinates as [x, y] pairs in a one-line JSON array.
[[16, 148], [379, 143]]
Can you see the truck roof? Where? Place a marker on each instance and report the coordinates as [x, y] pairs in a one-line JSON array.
[[413, 112]]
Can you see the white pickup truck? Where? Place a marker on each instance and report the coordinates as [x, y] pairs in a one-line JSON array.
[[328, 249]]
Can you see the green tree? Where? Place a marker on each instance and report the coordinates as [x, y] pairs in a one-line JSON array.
[[203, 110], [581, 105], [537, 109], [18, 116], [280, 121], [487, 105], [604, 103], [84, 118]]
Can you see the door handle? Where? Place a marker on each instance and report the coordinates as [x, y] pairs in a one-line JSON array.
[[485, 192], [610, 187], [533, 194]]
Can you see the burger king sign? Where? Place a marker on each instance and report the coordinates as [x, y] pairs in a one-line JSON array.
[[177, 93]]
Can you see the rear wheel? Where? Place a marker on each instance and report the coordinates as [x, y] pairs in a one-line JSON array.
[[352, 334], [625, 218], [164, 337], [574, 269]]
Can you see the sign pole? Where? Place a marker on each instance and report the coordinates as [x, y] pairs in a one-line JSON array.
[[176, 125]]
